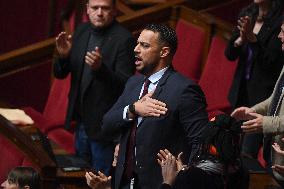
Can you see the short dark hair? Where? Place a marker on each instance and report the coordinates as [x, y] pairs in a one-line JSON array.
[[166, 35], [24, 176]]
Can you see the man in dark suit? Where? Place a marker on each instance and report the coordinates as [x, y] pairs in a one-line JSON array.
[[172, 115], [100, 59]]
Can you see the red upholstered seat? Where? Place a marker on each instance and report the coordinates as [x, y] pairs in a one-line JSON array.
[[188, 58], [56, 105], [63, 138], [10, 157], [51, 122], [260, 159], [55, 109], [73, 18], [40, 122], [217, 76]]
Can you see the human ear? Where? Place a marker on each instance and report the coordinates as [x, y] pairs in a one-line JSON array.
[[165, 52]]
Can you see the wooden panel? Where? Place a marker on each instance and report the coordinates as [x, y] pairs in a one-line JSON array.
[[27, 140], [29, 55], [219, 27], [227, 11], [123, 8], [155, 14], [203, 4], [262, 181], [30, 148]]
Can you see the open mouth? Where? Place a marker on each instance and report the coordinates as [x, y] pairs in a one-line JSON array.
[[138, 60]]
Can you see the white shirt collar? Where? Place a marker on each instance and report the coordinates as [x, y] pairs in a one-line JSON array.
[[154, 78]]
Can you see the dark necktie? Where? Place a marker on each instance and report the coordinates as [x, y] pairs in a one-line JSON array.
[[128, 172]]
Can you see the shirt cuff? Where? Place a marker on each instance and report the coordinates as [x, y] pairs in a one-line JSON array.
[[125, 116]]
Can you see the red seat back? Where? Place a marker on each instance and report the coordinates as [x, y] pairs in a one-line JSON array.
[[188, 58], [56, 105], [72, 20], [11, 157], [217, 76]]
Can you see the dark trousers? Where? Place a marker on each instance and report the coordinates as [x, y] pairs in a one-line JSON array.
[[98, 154]]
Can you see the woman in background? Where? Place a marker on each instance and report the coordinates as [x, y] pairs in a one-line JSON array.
[[254, 42]]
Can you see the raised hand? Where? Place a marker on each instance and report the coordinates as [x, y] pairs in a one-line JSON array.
[[94, 59], [254, 125], [242, 113], [169, 169], [63, 44], [147, 107], [279, 169], [162, 156], [277, 149], [99, 181], [246, 29]]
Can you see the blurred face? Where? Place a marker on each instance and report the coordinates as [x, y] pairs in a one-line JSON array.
[[101, 12], [259, 1], [147, 53], [8, 185], [281, 36]]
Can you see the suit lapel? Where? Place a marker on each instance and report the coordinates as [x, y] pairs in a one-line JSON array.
[[81, 52], [162, 82], [136, 91], [159, 87]]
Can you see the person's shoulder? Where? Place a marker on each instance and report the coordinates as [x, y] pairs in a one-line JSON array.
[[135, 78], [181, 79], [133, 81], [178, 82], [183, 85]]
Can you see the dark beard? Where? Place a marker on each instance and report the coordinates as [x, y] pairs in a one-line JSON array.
[[148, 70]]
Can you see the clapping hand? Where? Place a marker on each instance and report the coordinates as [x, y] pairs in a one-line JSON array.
[[246, 29], [254, 125], [277, 148], [99, 181], [63, 44], [242, 113], [94, 59], [170, 165], [278, 168]]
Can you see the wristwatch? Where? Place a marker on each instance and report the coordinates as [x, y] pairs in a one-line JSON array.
[[131, 109]]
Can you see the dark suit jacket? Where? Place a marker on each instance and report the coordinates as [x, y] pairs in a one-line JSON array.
[[103, 86], [179, 130]]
